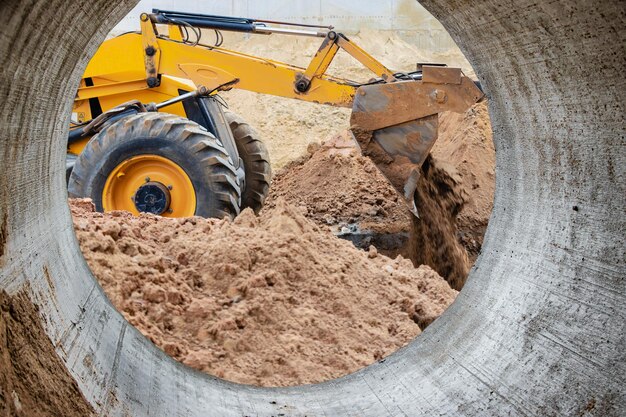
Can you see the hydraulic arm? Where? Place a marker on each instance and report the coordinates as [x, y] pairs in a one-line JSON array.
[[394, 114]]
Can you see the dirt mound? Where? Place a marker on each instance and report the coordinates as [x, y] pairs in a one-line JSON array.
[[337, 187], [290, 128], [271, 300], [438, 198], [33, 380]]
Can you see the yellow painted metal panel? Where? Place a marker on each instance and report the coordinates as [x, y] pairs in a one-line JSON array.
[[124, 55]]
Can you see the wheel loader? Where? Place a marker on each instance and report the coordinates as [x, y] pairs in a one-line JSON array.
[[149, 132]]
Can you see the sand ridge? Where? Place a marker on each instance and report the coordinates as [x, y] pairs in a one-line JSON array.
[[272, 300]]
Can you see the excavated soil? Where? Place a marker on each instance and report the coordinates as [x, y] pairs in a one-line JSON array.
[[292, 130], [33, 380], [439, 198], [338, 188], [278, 300], [466, 143], [272, 300]]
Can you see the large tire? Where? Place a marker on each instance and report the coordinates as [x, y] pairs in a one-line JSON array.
[[256, 162], [185, 143]]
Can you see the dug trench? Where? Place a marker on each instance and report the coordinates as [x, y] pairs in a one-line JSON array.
[[279, 299]]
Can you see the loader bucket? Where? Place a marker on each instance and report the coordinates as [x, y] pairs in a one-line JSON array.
[[395, 124]]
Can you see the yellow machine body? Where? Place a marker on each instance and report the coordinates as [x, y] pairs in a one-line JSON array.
[[395, 115]]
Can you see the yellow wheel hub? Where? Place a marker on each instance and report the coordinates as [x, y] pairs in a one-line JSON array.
[[149, 183]]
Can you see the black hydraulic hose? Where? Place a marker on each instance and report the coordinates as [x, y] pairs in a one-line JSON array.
[[75, 135], [204, 21], [176, 14], [82, 132], [90, 128]]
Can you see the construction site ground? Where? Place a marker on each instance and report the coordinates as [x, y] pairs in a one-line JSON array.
[[334, 273]]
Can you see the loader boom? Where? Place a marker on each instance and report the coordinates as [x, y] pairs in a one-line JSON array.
[[211, 66]]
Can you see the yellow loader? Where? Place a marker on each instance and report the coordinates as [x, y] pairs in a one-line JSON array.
[[149, 133]]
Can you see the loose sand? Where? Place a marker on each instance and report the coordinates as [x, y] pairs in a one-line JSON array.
[[33, 380], [272, 300], [466, 143], [337, 187], [292, 129], [439, 198]]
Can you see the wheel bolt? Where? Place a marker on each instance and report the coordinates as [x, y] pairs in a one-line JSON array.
[[147, 179], [169, 187]]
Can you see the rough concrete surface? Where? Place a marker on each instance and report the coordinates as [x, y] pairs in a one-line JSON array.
[[538, 328]]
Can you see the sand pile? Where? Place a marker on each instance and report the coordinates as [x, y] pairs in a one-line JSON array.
[[33, 380], [337, 187], [271, 300]]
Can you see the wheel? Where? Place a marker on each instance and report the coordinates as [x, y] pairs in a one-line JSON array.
[[256, 162], [157, 163]]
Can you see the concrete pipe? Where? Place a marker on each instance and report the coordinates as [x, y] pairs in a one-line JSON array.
[[538, 329]]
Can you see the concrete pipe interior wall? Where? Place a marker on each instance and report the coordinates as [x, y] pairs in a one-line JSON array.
[[539, 328]]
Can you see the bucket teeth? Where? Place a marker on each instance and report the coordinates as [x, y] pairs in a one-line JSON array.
[[399, 151]]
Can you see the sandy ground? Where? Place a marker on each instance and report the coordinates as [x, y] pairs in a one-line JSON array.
[[33, 380], [271, 300]]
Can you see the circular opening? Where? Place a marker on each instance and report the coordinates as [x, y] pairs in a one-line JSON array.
[[334, 273], [542, 323]]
